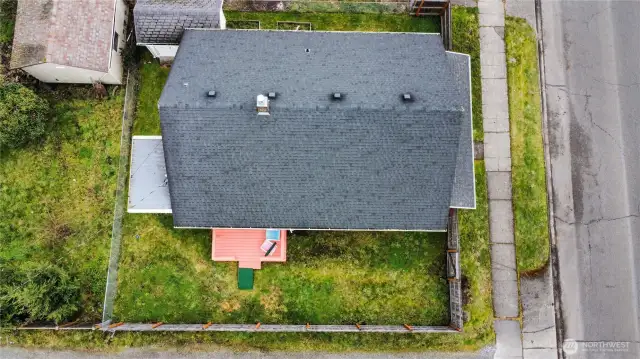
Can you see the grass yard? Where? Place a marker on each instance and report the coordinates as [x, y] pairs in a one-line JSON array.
[[152, 79], [57, 198], [475, 264], [475, 268], [465, 35], [7, 20], [167, 275], [527, 153], [334, 21]]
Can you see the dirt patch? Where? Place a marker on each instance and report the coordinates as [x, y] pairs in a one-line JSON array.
[[230, 305]]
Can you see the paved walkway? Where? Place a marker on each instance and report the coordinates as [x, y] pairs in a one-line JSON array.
[[497, 157]]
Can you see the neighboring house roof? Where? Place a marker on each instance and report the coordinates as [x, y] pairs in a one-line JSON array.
[[163, 21], [368, 161], [64, 32]]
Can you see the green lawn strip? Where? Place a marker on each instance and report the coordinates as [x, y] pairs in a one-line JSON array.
[[475, 263], [465, 36], [167, 275], [339, 21], [527, 153], [7, 20], [152, 79], [57, 198]]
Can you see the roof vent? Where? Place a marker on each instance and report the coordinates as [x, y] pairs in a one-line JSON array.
[[262, 105], [272, 95], [211, 94], [406, 97], [336, 96]]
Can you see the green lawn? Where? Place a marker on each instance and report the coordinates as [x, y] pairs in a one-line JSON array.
[[152, 79], [527, 154], [167, 275], [57, 197], [337, 21], [475, 263], [477, 333], [7, 20], [465, 35]]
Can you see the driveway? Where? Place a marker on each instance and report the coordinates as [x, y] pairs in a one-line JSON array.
[[592, 83]]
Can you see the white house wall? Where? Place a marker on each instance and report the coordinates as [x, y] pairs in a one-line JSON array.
[[163, 51], [53, 73], [223, 20], [115, 65]]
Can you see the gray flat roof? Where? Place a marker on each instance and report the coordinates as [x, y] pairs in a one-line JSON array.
[[464, 194], [148, 185], [368, 161]]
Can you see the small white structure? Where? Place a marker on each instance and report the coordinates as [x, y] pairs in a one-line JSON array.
[[148, 182], [262, 105], [62, 41], [159, 24]]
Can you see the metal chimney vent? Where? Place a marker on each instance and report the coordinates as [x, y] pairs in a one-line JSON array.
[[262, 105]]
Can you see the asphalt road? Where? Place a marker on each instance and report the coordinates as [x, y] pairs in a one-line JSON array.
[[592, 83]]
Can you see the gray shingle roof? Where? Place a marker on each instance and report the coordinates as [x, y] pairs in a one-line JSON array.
[[63, 32], [369, 161], [463, 195], [163, 21]]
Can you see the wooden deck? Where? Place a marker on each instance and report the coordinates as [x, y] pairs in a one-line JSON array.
[[243, 246]]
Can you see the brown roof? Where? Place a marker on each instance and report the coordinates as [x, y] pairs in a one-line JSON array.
[[64, 32]]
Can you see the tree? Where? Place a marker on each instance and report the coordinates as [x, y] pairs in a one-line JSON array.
[[23, 116], [41, 291]]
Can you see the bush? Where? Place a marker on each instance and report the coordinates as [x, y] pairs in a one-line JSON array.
[[39, 292], [23, 116]]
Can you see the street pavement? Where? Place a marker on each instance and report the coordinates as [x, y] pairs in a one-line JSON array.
[[592, 85]]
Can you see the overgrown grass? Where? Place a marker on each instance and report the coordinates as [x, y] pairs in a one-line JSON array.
[[475, 263], [477, 332], [57, 197], [152, 79], [340, 21], [167, 275], [465, 35], [527, 153], [7, 20]]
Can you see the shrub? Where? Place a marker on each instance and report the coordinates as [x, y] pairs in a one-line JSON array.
[[23, 116], [41, 291]]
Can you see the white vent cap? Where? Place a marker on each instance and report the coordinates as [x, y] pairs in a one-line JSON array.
[[262, 105]]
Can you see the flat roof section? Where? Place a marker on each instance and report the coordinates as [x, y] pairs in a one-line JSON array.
[[148, 184]]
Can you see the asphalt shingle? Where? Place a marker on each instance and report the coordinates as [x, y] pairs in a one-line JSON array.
[[64, 32], [368, 161], [164, 21], [463, 194]]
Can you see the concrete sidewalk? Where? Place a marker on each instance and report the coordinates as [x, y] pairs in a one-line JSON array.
[[497, 157]]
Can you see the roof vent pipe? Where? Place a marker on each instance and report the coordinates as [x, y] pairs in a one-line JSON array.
[[262, 105]]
